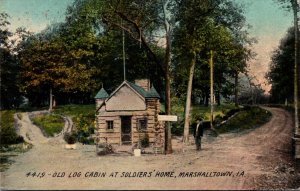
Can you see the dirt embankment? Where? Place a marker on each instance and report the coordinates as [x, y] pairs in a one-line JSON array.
[[257, 159]]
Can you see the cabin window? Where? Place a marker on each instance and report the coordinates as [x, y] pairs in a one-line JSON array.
[[110, 124], [142, 124]]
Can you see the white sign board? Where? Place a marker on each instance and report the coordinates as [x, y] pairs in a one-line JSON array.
[[167, 118]]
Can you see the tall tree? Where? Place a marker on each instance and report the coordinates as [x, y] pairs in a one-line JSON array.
[[294, 6], [143, 21], [202, 27], [9, 67], [282, 65]]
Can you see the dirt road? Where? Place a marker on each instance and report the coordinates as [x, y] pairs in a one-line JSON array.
[[247, 160]]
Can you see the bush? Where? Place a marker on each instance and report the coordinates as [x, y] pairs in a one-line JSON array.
[[145, 141], [70, 138], [7, 128], [104, 149], [86, 140], [83, 117]]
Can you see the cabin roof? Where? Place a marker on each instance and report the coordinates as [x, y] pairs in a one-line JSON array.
[[152, 93], [102, 94]]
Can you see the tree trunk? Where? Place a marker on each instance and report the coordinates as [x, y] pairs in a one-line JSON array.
[[296, 82], [211, 63], [236, 84], [167, 63], [218, 98], [206, 98], [188, 101], [51, 100]]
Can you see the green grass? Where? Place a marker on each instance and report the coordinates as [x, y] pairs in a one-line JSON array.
[[8, 152], [75, 110], [7, 130], [50, 124], [83, 117], [246, 119], [203, 110]]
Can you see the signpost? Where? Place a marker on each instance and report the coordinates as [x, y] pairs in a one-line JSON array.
[[168, 118]]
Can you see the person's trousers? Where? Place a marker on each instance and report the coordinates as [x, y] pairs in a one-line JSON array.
[[198, 143]]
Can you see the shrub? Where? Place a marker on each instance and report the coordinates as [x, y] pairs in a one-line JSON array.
[[104, 148], [7, 128], [145, 141], [70, 138]]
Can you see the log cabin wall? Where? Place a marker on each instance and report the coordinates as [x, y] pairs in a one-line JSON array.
[[113, 136]]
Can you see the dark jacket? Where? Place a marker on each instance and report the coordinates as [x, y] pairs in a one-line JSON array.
[[200, 130]]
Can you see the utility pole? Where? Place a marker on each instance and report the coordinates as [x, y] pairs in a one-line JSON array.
[[211, 89], [124, 63]]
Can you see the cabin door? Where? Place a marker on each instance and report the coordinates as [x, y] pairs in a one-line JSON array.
[[126, 129]]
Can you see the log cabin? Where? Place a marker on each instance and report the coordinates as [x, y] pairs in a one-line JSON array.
[[129, 116]]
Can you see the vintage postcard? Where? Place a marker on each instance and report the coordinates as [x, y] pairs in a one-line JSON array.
[[144, 95]]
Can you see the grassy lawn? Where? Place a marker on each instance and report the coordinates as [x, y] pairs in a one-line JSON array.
[[83, 117], [75, 110], [246, 119], [203, 111], [178, 109], [50, 124]]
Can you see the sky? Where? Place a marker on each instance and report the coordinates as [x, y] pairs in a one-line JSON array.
[[269, 24]]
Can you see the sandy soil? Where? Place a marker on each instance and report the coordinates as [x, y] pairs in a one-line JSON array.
[[258, 159]]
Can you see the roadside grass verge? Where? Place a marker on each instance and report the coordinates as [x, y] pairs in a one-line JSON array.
[[248, 118], [11, 144], [7, 128], [8, 152], [203, 111], [49, 124]]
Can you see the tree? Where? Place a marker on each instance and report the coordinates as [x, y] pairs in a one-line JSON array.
[[143, 21], [9, 68], [200, 29], [282, 65], [294, 6]]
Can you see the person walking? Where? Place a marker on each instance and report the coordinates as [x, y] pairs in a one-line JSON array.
[[198, 132]]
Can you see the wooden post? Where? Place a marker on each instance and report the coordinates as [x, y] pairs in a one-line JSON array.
[[51, 100], [211, 89]]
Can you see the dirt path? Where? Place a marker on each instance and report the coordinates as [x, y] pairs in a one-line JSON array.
[[31, 133], [255, 159]]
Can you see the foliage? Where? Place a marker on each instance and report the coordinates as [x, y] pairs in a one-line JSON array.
[[145, 141], [221, 27], [281, 68], [7, 128], [83, 117], [49, 124], [70, 138], [178, 109], [9, 68], [257, 115]]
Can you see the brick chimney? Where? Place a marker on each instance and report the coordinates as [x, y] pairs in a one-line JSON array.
[[144, 83]]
